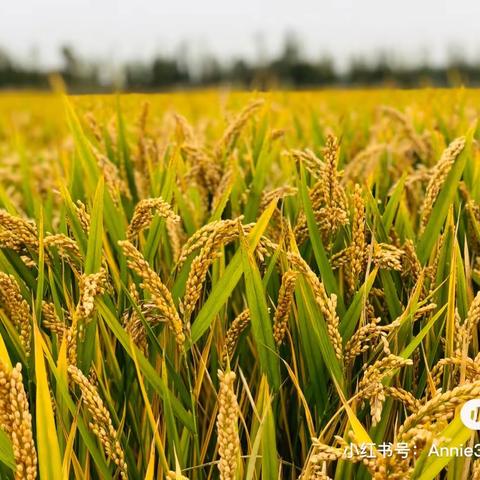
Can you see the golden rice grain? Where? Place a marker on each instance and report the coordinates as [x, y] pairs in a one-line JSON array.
[[438, 177], [17, 233], [357, 252], [239, 324], [371, 387], [285, 299], [16, 308], [82, 215], [311, 162], [16, 421], [235, 127], [90, 285], [327, 304], [161, 296], [101, 423], [144, 212], [66, 246], [225, 232], [440, 408], [228, 442], [387, 256]]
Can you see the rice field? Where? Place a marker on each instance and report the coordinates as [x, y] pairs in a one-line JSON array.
[[239, 286]]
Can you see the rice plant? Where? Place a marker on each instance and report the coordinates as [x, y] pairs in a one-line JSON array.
[[239, 286]]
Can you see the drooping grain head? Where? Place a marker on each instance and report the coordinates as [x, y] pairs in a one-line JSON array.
[[228, 442]]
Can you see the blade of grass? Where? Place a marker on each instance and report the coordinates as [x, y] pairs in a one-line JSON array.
[[49, 459], [6, 451], [259, 317]]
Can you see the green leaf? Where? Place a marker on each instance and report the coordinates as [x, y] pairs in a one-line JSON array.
[[315, 327], [93, 261], [268, 444], [125, 160], [393, 204], [6, 451], [87, 436], [260, 318], [147, 369], [157, 225], [350, 320], [87, 160], [258, 182], [415, 342]]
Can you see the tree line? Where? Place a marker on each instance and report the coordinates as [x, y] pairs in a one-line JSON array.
[[290, 69]]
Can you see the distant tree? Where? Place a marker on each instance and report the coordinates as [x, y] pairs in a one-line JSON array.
[[5, 61], [241, 72], [165, 72], [137, 76], [291, 68]]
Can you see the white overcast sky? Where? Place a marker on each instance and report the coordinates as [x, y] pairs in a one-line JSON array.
[[119, 30]]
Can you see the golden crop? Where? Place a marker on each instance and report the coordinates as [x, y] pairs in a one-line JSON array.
[[239, 286]]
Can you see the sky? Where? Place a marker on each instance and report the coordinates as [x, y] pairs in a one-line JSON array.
[[123, 30]]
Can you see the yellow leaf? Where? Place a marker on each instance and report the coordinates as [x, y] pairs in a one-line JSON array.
[[49, 461]]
